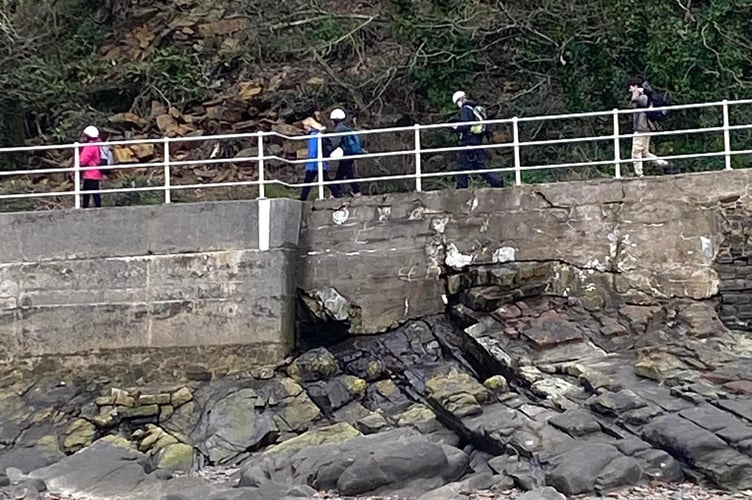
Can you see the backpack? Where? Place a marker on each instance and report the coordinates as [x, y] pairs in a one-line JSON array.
[[657, 100], [352, 145], [326, 147], [481, 115], [105, 156]]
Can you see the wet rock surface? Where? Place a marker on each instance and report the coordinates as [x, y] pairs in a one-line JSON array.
[[507, 395]]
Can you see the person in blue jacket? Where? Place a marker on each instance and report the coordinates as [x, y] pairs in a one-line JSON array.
[[344, 146], [471, 135], [313, 128]]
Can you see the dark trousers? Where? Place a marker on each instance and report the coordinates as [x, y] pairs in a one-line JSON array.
[[310, 176], [475, 159], [91, 185], [346, 170]]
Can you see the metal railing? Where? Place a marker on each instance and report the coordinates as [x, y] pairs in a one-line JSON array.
[[417, 152]]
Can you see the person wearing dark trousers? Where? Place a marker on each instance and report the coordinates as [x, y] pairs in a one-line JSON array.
[[475, 159], [472, 135], [342, 147], [91, 156], [313, 128], [91, 185]]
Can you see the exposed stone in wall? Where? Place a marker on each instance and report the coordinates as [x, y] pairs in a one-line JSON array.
[[643, 240], [734, 264]]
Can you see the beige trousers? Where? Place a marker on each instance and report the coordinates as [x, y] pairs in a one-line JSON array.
[[641, 151]]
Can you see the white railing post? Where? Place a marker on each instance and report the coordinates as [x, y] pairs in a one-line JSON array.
[[261, 173], [617, 145], [76, 175], [418, 172], [320, 164], [516, 145], [166, 146], [726, 135]]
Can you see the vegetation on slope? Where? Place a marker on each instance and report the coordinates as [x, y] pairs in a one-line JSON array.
[[224, 65]]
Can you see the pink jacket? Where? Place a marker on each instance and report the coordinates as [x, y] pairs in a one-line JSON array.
[[90, 157]]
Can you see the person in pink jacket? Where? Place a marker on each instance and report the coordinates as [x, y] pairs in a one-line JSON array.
[[90, 156]]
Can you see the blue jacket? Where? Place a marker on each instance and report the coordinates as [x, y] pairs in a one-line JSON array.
[[313, 151], [467, 138]]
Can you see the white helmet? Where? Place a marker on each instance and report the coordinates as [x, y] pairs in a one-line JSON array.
[[457, 96], [337, 114], [91, 132]]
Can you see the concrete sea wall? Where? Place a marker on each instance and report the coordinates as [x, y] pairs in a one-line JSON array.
[[217, 283], [177, 276]]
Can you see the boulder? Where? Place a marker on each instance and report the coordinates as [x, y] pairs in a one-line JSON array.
[[458, 393], [416, 414], [365, 420], [701, 448], [80, 433], [337, 392], [297, 414], [468, 486], [176, 456], [393, 462], [657, 364], [496, 384], [336, 433], [32, 456], [316, 364], [575, 471], [545, 493], [576, 422], [621, 471], [103, 470], [232, 426], [154, 439]]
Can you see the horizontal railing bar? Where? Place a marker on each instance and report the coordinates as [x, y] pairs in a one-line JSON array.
[[44, 194], [385, 154], [448, 173], [248, 135], [166, 164]]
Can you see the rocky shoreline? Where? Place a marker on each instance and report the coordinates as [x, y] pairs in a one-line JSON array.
[[686, 491], [511, 392]]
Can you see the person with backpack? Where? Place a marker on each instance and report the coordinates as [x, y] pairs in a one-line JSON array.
[[472, 135], [644, 122], [91, 156], [344, 146], [313, 128]]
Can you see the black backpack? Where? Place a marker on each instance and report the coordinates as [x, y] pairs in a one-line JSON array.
[[656, 101], [326, 147]]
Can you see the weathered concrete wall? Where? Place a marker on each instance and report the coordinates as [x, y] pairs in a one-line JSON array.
[[193, 276], [641, 240], [175, 276]]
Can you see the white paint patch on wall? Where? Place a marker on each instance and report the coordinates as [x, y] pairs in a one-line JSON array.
[[340, 216], [264, 223], [706, 246], [385, 213], [504, 254], [439, 224], [456, 259]]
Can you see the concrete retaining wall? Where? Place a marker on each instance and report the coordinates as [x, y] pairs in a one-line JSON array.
[[150, 277], [223, 277], [384, 259]]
